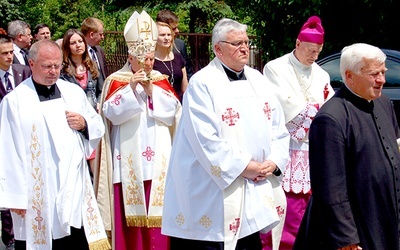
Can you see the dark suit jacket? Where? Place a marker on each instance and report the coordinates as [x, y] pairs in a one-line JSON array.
[[20, 73], [16, 61], [103, 65], [180, 47], [102, 61]]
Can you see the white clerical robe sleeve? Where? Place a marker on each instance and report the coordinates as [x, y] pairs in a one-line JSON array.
[[123, 105], [280, 139], [202, 128], [163, 106], [81, 105], [13, 188]]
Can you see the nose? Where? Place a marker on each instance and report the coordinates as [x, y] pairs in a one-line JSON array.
[[380, 77]]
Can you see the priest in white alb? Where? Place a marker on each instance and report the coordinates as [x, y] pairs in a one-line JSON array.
[[47, 129], [228, 154]]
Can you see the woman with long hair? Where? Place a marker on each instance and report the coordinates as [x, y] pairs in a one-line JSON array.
[[78, 67]]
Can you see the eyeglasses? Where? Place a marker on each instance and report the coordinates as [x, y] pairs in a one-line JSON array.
[[238, 43], [49, 67]]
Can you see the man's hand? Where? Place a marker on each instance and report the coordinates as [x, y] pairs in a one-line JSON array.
[[75, 120], [255, 171], [270, 167], [140, 78]]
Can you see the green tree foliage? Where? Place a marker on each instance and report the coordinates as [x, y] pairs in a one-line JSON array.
[[276, 23], [9, 11]]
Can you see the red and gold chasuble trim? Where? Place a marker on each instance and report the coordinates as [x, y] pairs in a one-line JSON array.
[[160, 81]]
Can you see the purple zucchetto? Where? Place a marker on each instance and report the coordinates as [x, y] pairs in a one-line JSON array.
[[312, 31]]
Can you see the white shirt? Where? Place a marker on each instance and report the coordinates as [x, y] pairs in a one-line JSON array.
[[18, 54]]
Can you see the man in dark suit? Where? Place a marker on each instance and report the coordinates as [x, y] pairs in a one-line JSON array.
[[10, 77], [169, 17], [93, 30], [20, 32]]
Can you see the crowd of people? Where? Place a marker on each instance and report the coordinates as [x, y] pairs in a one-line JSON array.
[[155, 156]]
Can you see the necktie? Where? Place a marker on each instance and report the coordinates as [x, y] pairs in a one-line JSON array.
[[7, 82], [94, 58], [23, 53]]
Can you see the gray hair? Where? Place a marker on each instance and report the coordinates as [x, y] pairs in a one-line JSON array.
[[17, 27], [34, 50], [353, 55], [223, 27]]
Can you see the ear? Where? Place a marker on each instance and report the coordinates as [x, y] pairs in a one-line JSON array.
[[349, 77], [130, 59], [218, 48], [19, 37], [298, 43]]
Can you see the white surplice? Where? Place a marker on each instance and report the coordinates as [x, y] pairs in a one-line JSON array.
[[223, 126], [43, 166]]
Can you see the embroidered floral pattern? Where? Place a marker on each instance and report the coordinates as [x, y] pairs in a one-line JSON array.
[[149, 153], [133, 194], [267, 111], [216, 171], [117, 100], [297, 177], [159, 190], [230, 117], [180, 219], [38, 223], [205, 221], [299, 126], [91, 216]]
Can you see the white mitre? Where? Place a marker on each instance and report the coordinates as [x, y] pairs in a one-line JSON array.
[[140, 34]]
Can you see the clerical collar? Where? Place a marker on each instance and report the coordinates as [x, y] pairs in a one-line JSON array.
[[233, 75], [355, 93], [47, 93]]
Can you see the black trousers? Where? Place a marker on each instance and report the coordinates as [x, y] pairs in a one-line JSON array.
[[251, 242], [7, 233], [77, 240]]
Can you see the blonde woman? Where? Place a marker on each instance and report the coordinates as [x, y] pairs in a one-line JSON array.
[[168, 62]]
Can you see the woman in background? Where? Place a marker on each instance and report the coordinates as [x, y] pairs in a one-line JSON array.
[[168, 62], [77, 67]]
